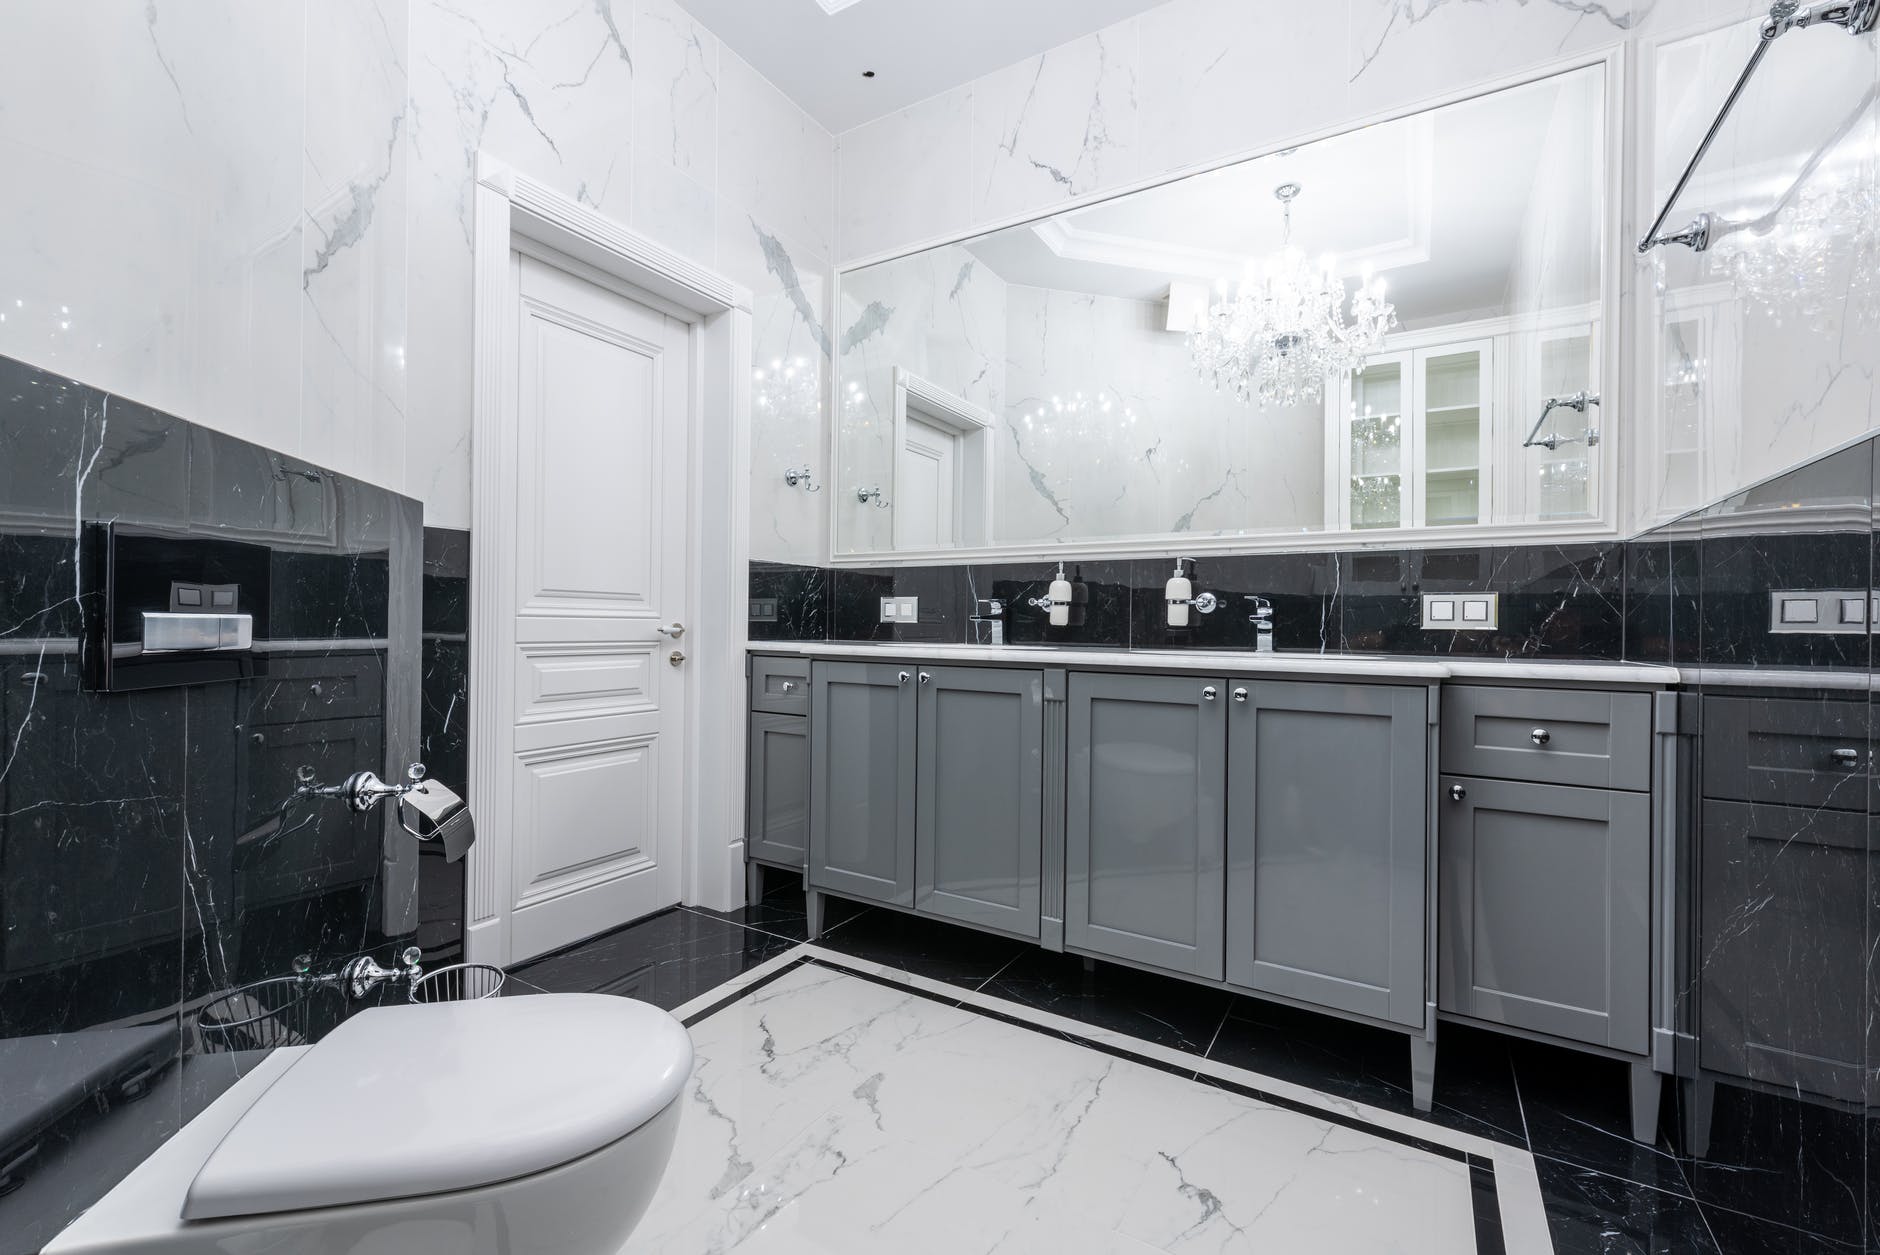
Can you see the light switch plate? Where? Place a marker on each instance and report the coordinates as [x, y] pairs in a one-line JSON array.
[[763, 610], [1822, 611], [900, 609], [1461, 612]]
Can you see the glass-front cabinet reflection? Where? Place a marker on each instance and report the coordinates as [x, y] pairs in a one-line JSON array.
[[1416, 429]]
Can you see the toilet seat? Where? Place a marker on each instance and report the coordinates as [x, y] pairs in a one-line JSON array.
[[407, 1101]]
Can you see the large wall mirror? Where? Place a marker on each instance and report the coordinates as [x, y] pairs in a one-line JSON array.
[[1402, 328]]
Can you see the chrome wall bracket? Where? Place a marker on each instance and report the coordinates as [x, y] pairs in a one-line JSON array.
[[1578, 403]]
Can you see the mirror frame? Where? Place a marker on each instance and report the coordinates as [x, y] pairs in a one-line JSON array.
[[1615, 333]]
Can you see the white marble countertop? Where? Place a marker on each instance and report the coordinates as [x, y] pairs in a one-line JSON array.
[[1241, 662]]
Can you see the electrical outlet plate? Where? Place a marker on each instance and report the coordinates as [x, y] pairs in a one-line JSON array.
[[1823, 611], [763, 610], [1461, 612], [900, 609]]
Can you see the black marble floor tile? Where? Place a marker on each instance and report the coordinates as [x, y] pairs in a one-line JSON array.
[[1475, 1090], [666, 959], [1784, 1160], [1576, 1109], [1151, 1008], [1590, 1213], [922, 947], [1737, 1234], [781, 914]]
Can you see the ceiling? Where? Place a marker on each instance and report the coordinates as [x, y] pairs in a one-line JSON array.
[[917, 48]]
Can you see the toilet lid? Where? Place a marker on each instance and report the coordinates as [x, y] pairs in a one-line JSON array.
[[404, 1101]]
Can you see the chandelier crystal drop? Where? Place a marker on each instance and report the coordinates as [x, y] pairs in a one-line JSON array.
[[1284, 331]]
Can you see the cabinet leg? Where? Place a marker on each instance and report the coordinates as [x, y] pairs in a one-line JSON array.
[[1700, 1099], [753, 884], [813, 913], [1090, 965], [1647, 1089], [1422, 1072]]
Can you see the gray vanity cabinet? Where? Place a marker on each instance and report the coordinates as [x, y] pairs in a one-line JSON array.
[[1327, 800], [861, 835], [979, 793], [1547, 913], [777, 827], [1145, 828]]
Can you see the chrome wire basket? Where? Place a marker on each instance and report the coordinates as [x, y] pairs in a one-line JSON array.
[[460, 982], [284, 1011]]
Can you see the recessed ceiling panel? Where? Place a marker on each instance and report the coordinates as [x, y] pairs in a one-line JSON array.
[[817, 51]]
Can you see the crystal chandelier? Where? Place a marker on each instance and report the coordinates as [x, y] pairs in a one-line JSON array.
[[1819, 265], [1284, 332]]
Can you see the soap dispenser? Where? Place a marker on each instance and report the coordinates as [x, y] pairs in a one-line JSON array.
[[1180, 594], [1060, 598]]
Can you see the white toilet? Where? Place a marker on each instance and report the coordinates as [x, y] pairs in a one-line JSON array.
[[502, 1126]]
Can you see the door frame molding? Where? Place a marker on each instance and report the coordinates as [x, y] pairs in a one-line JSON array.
[[514, 211]]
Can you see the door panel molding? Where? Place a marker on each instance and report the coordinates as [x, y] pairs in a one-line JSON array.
[[515, 214]]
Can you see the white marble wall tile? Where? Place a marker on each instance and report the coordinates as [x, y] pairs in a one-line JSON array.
[[1057, 125], [772, 157], [673, 208], [352, 248], [789, 386], [906, 177], [1211, 84], [1405, 51], [675, 91]]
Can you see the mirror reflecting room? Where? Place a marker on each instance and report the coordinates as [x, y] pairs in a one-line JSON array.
[[1399, 328]]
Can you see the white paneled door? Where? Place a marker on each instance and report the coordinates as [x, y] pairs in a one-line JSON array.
[[600, 589]]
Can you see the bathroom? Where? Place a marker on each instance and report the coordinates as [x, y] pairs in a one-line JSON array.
[[806, 791]]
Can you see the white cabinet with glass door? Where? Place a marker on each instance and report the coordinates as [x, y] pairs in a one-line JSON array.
[[1412, 439], [1559, 483]]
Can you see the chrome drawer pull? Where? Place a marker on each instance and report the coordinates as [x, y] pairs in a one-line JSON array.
[[1240, 695], [1209, 693], [1457, 793], [1847, 757], [1540, 736], [789, 686], [903, 678]]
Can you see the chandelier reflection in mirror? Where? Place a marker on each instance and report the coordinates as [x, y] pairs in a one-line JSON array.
[[1818, 263], [1284, 332]]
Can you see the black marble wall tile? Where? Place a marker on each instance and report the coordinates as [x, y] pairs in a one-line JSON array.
[[1564, 601], [1661, 601], [1377, 592], [1303, 590], [153, 887], [801, 602], [443, 730], [1100, 602]]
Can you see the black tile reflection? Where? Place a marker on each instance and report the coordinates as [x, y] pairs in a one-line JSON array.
[[1576, 1110], [443, 729], [146, 870], [1590, 1213], [789, 602], [924, 947], [667, 959], [1150, 1008]]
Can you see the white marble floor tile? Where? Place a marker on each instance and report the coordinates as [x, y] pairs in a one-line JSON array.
[[832, 1112]]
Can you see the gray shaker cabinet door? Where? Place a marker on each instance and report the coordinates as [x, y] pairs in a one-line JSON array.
[[1327, 844], [1546, 908], [861, 836], [979, 796], [1145, 828], [777, 830]]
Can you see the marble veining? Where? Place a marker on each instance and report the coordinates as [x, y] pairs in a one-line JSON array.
[[827, 1108]]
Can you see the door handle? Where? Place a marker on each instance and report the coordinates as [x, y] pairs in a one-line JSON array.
[[1457, 793], [674, 630]]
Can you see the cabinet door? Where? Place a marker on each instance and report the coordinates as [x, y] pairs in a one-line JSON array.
[[980, 796], [1546, 908], [777, 829], [1327, 844], [1370, 433], [1787, 900], [861, 838], [1145, 835]]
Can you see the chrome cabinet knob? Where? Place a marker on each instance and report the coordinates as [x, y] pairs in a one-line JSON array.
[[674, 630], [925, 677], [1209, 693], [903, 678], [1457, 793], [1847, 757], [789, 686], [1540, 736], [1240, 695]]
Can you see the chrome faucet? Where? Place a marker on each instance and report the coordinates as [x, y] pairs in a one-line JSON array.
[[1262, 620], [988, 621]]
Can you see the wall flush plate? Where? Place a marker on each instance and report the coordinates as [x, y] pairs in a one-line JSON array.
[[1822, 611], [900, 609], [1461, 612]]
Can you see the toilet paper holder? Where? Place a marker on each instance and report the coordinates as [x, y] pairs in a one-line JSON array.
[[446, 813]]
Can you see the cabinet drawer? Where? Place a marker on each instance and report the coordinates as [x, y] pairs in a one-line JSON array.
[[1550, 736], [780, 686], [1786, 752]]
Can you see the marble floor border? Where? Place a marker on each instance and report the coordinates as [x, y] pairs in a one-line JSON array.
[[1510, 1218]]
